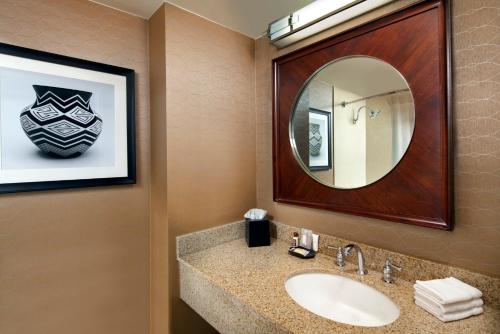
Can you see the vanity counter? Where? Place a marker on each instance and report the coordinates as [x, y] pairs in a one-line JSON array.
[[242, 290]]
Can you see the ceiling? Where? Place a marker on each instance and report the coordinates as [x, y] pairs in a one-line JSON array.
[[142, 8], [249, 17]]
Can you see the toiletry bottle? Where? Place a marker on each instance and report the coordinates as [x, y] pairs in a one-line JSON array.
[[315, 242], [302, 238], [295, 239], [309, 239], [305, 238]]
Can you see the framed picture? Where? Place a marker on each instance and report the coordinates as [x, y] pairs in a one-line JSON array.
[[320, 140], [64, 122]]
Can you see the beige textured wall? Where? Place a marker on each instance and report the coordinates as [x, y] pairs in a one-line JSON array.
[[474, 243], [210, 135], [159, 287], [76, 261]]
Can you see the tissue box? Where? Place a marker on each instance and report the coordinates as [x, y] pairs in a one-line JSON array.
[[257, 233]]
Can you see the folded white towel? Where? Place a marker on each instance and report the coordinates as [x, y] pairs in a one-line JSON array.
[[447, 308], [448, 290], [450, 316]]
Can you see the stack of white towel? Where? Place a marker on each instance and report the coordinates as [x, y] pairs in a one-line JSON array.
[[448, 299]]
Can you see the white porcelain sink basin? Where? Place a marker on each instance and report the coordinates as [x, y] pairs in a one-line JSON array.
[[342, 299]]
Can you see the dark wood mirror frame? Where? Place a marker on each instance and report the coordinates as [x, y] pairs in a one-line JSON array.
[[418, 191]]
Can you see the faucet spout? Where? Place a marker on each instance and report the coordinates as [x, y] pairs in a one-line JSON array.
[[361, 258]]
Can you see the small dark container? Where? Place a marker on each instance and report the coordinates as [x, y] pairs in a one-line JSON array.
[[257, 233]]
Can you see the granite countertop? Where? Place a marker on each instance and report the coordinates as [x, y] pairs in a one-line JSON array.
[[256, 277]]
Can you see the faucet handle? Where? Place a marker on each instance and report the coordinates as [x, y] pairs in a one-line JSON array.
[[387, 272], [388, 262], [339, 260]]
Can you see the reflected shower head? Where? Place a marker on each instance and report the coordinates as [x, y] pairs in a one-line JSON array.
[[371, 113]]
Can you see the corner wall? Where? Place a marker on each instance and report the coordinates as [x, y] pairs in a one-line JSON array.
[[159, 286], [209, 138]]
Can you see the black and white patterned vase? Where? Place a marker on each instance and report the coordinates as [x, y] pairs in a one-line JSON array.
[[61, 122], [314, 139]]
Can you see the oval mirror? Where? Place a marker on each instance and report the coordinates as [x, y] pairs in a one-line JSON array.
[[352, 122]]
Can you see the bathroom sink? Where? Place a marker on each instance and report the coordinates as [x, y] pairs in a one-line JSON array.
[[342, 299]]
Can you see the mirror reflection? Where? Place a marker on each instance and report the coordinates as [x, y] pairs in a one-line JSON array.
[[352, 122]]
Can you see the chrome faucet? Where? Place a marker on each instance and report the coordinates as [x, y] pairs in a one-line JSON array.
[[361, 259]]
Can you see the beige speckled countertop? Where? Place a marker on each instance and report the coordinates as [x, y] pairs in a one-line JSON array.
[[255, 277]]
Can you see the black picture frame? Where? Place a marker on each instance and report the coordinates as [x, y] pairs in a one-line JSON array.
[[329, 123], [128, 74]]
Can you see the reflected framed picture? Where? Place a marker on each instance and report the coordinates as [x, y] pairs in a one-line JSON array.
[[64, 122], [320, 140]]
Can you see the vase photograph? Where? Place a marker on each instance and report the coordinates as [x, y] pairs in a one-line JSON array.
[[51, 122], [320, 140], [64, 122]]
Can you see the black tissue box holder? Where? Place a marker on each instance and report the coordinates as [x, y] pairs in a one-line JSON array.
[[257, 232]]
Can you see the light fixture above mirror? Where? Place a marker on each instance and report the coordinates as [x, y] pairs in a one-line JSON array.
[[318, 16]]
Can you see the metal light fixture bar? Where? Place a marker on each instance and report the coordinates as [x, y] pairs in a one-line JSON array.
[[316, 17]]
